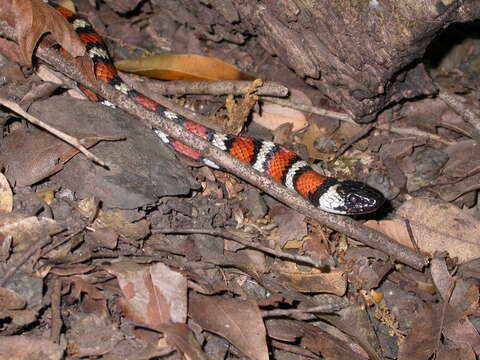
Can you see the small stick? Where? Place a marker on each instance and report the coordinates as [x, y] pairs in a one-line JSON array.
[[312, 109], [324, 308], [183, 87], [246, 242], [60, 134], [56, 322], [460, 108]]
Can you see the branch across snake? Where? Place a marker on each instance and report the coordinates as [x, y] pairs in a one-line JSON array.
[[284, 166]]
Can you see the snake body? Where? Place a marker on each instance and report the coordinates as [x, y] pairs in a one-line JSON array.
[[284, 166]]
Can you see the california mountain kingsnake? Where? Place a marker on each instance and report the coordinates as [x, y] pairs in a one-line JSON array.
[[281, 164]]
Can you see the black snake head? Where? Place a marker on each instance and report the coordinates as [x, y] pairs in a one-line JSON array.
[[350, 198]]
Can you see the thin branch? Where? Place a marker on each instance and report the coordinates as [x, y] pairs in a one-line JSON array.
[[313, 109], [56, 311], [460, 108], [184, 87], [242, 239], [324, 308], [339, 223], [60, 134], [412, 131]]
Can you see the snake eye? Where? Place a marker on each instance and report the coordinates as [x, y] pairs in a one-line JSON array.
[[354, 199]]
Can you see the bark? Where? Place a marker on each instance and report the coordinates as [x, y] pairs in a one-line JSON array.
[[361, 54]]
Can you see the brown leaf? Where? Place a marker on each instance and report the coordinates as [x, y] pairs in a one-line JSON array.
[[116, 221], [182, 67], [463, 159], [6, 195], [291, 224], [316, 340], [91, 299], [423, 337], [27, 347], [436, 226], [25, 231], [31, 156], [238, 321], [152, 295], [182, 338], [93, 334], [32, 19], [315, 282], [10, 300], [273, 116], [309, 138], [19, 318]]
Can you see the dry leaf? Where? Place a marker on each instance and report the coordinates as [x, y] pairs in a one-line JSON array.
[[309, 137], [47, 195], [238, 321], [273, 116], [181, 337], [314, 282], [182, 67], [6, 195], [31, 156], [10, 300], [423, 336], [291, 225], [25, 231], [316, 340], [31, 20], [28, 347], [464, 159], [116, 221], [436, 226], [93, 334], [153, 295]]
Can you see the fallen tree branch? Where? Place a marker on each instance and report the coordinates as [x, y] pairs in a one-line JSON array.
[[339, 223]]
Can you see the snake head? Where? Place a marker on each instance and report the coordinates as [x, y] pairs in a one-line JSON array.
[[349, 198]]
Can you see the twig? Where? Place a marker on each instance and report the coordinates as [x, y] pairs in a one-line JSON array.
[[312, 109], [246, 242], [324, 308], [179, 88], [60, 134], [460, 108], [412, 131], [339, 223], [461, 193], [410, 234], [55, 306]]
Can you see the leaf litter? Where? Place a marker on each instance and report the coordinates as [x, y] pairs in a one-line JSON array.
[[129, 289]]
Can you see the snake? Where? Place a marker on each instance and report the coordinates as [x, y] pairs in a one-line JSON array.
[[284, 166]]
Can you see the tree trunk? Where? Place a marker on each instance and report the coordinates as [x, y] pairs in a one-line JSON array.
[[361, 54]]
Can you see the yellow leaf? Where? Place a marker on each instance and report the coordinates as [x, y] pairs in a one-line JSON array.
[[46, 195], [182, 67]]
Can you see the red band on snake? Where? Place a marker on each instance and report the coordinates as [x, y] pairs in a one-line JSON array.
[[281, 164]]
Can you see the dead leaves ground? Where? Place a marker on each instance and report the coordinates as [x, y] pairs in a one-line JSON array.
[[87, 276]]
